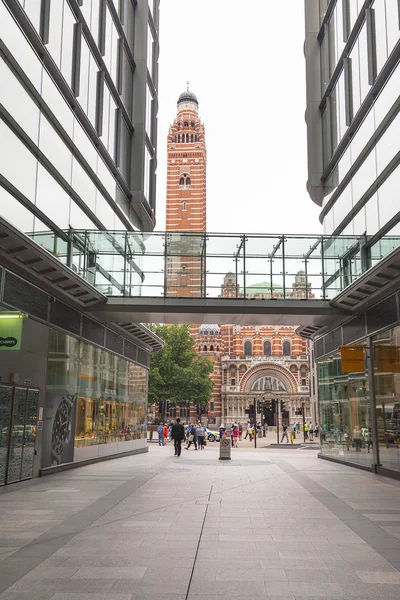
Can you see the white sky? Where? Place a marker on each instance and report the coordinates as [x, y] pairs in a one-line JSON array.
[[244, 60]]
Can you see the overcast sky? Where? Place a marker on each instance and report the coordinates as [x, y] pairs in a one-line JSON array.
[[245, 63]]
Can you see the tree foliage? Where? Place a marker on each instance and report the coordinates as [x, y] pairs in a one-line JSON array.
[[177, 373]]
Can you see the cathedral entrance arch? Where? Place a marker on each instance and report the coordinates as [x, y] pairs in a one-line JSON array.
[[268, 377]]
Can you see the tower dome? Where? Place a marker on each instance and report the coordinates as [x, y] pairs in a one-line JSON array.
[[188, 96], [206, 329]]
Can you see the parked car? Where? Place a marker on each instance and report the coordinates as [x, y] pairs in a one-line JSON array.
[[212, 436]]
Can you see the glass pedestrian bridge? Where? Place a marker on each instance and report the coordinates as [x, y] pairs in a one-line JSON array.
[[216, 265]]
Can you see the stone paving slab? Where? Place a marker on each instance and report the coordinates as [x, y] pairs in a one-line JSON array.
[[268, 524]]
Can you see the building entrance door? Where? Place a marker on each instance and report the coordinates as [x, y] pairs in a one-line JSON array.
[[18, 418]]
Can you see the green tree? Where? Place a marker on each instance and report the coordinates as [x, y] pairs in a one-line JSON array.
[[177, 373]]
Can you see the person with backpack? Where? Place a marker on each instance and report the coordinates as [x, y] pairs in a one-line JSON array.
[[178, 434], [160, 431]]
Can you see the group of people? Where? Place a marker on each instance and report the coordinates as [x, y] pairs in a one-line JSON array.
[[308, 431], [178, 433], [235, 431]]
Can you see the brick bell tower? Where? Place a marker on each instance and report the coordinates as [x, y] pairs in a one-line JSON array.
[[186, 171], [186, 198]]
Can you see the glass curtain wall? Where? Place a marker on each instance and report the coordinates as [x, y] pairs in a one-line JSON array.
[[110, 392], [345, 423], [387, 394]]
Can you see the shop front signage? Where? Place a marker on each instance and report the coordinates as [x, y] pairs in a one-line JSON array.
[[353, 359], [10, 331]]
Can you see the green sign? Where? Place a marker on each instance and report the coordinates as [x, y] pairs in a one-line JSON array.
[[10, 332]]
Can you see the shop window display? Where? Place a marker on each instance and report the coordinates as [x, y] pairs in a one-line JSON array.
[[108, 395], [387, 396], [346, 430]]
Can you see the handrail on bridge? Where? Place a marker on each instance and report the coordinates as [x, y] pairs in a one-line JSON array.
[[216, 265]]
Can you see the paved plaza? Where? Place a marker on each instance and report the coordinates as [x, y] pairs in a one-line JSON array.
[[271, 523]]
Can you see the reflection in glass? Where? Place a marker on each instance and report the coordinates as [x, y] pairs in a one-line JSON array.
[[5, 412], [345, 426], [387, 394]]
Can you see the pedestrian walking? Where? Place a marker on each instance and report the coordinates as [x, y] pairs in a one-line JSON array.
[[311, 431], [178, 434], [166, 432], [192, 439], [160, 431], [284, 433], [240, 432], [235, 437], [200, 433], [293, 434]]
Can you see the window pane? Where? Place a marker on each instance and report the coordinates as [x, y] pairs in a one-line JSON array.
[[18, 102], [392, 23], [54, 148], [32, 9], [55, 31], [67, 43], [22, 51], [381, 39], [150, 49], [10, 147], [12, 210], [83, 185], [55, 100], [52, 199], [389, 198]]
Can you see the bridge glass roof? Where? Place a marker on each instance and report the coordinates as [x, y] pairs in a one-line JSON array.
[[195, 265]]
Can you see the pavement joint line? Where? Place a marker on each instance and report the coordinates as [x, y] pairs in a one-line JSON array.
[[8, 573], [336, 507], [203, 496], [198, 544]]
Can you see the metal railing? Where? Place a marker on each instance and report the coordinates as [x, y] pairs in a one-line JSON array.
[[212, 265]]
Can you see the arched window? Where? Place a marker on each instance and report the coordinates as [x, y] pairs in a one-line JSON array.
[[267, 348], [211, 348], [247, 349], [188, 181], [205, 348], [184, 206], [183, 269], [286, 349], [183, 138], [191, 137], [187, 138], [192, 123], [195, 138], [179, 139], [182, 181], [186, 124]]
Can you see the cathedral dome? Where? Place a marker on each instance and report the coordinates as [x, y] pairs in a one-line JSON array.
[[206, 329], [188, 96]]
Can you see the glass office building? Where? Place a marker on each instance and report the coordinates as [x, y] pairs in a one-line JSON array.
[[352, 51], [78, 149]]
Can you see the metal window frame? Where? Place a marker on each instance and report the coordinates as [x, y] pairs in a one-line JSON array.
[[371, 45], [346, 20], [99, 102], [76, 59], [348, 89], [45, 21]]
